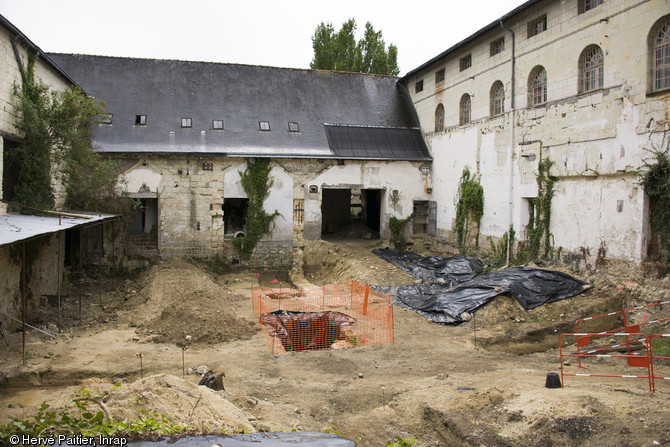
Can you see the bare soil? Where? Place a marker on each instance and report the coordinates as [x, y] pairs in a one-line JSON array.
[[482, 383]]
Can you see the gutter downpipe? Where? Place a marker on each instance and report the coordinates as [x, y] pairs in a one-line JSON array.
[[510, 151]]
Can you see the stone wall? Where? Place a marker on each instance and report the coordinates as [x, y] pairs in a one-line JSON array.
[[597, 140], [191, 198]]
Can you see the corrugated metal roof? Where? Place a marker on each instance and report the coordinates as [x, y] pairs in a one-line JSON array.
[[20, 227], [383, 143], [240, 95]]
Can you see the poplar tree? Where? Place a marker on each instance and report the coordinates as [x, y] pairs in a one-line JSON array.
[[339, 51]]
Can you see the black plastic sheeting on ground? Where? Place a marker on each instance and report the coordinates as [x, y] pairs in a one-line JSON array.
[[254, 439], [303, 331], [445, 303], [454, 270]]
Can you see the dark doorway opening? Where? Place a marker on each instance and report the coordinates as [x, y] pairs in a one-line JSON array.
[[144, 225], [235, 216], [10, 171], [350, 213]]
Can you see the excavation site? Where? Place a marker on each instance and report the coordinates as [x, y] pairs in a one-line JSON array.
[[370, 369]]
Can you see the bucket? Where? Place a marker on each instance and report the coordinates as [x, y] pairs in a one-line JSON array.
[[553, 381]]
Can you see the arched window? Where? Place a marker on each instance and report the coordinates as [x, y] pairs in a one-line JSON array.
[[464, 110], [659, 40], [591, 69], [537, 86], [439, 118], [497, 98]]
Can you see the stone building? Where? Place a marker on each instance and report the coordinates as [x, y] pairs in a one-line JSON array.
[[585, 83], [343, 147], [44, 269]]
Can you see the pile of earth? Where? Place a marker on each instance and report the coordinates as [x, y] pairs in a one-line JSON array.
[[195, 406], [181, 304]]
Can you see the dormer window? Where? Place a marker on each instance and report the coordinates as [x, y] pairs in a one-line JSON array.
[[264, 126], [140, 120], [186, 122]]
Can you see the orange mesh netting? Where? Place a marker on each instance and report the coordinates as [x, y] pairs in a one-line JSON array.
[[335, 316]]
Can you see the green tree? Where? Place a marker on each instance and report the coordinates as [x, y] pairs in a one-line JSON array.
[[58, 144], [339, 50]]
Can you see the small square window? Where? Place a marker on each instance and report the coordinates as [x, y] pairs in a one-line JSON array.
[[217, 124], [186, 122], [418, 87], [537, 26], [107, 118], [140, 120], [466, 62], [497, 46], [439, 76], [264, 126], [293, 127], [208, 166]]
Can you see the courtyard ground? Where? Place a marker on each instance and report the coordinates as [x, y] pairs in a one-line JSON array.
[[481, 383]]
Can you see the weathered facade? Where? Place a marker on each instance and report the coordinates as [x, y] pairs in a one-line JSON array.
[[45, 265], [585, 83], [339, 143]]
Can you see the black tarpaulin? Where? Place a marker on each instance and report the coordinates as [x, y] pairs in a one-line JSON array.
[[453, 270], [445, 303]]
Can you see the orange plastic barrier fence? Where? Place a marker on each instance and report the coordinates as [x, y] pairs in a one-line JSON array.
[[599, 353], [341, 315], [654, 370]]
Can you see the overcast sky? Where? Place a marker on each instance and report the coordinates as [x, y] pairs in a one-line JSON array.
[[256, 32]]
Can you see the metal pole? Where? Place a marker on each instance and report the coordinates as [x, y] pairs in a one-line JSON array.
[[100, 253], [81, 261], [23, 298], [58, 262], [113, 258]]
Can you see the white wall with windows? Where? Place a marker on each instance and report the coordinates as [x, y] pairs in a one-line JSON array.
[[591, 91]]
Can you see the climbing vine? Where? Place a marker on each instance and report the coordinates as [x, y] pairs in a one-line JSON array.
[[256, 182], [654, 176], [57, 128], [469, 209], [397, 227], [539, 241]]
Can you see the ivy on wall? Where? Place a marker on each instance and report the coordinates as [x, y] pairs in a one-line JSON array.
[[256, 181], [397, 227], [57, 128], [654, 176], [469, 209], [539, 240]]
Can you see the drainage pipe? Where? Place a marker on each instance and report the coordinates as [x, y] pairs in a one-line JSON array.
[[510, 150]]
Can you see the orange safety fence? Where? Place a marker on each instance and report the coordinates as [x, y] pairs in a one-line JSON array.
[[340, 315], [605, 357], [658, 362]]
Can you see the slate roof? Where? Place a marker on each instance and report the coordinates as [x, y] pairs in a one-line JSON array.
[[374, 119]]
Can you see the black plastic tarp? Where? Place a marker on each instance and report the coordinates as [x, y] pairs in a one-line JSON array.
[[453, 270], [445, 303], [303, 331]]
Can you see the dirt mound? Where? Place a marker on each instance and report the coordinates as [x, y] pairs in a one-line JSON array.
[[181, 304], [190, 404]]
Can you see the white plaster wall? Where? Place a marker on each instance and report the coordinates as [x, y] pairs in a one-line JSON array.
[[139, 179], [597, 140], [281, 199], [449, 160], [389, 176]]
